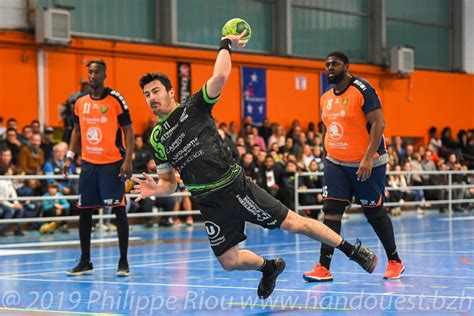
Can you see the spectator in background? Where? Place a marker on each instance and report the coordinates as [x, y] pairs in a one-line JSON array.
[[278, 136], [54, 166], [147, 132], [414, 194], [288, 147], [265, 130], [13, 143], [67, 111], [10, 208], [31, 156], [270, 176], [249, 166], [310, 136], [312, 182], [299, 143], [246, 130], [307, 156], [55, 207], [398, 147], [26, 133], [228, 141], [408, 155], [141, 155], [259, 139], [3, 129], [47, 143], [450, 146], [35, 126], [233, 131], [6, 159], [12, 123], [286, 193], [434, 139], [295, 129]]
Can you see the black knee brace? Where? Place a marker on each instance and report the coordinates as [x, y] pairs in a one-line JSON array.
[[334, 207]]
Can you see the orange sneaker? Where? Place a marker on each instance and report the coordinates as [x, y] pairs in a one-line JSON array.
[[394, 270], [318, 274]]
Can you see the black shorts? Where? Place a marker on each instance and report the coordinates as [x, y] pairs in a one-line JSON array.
[[100, 185], [225, 212]]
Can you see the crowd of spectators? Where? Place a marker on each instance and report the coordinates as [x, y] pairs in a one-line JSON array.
[[269, 154]]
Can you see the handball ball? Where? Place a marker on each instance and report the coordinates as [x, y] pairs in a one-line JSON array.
[[235, 27]]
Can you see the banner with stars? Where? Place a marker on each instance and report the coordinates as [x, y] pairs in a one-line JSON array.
[[254, 94]]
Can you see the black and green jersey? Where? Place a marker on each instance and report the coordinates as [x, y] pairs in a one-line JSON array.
[[187, 140]]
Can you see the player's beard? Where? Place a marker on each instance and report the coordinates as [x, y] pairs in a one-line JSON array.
[[337, 78]]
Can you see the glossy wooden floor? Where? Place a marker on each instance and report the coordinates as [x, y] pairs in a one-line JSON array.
[[175, 273]]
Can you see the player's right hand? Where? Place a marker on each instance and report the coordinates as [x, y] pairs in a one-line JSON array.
[[144, 188], [66, 166]]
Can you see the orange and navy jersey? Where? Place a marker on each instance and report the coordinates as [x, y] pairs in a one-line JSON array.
[[344, 117], [101, 122]]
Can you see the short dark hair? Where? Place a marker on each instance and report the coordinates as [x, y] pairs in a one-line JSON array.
[[98, 62], [161, 77], [339, 55]]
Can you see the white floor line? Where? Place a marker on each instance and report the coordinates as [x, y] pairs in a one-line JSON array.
[[60, 243]]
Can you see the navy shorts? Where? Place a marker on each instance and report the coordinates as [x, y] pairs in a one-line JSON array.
[[340, 183], [225, 212], [100, 185]]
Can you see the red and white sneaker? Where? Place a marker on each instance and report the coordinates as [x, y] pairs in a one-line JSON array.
[[394, 270], [318, 274]]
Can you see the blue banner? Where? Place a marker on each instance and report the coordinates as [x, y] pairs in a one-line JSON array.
[[254, 94]]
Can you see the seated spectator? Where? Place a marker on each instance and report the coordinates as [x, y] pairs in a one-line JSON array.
[[13, 143], [35, 127], [299, 143], [47, 143], [398, 147], [278, 136], [54, 166], [265, 130], [414, 194], [10, 208], [140, 155], [3, 129], [450, 146], [259, 139], [55, 207], [6, 159], [249, 166], [270, 176], [286, 193], [312, 182], [232, 132], [307, 156], [31, 156], [288, 147], [26, 133]]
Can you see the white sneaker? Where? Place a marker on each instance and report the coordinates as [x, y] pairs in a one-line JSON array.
[[420, 211]]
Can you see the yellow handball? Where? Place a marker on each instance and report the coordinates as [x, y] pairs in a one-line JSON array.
[[236, 26]]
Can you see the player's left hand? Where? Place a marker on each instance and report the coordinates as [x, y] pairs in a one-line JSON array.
[[126, 170], [365, 169]]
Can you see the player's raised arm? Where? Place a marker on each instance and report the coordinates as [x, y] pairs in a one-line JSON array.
[[223, 64]]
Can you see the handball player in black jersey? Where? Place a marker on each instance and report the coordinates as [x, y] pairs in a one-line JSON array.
[[186, 139]]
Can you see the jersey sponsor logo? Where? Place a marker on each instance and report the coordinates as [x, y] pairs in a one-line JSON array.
[[253, 208], [94, 135], [158, 148], [190, 158], [345, 102], [169, 132], [213, 230], [103, 119], [186, 149], [184, 116], [103, 109], [174, 145], [335, 131]]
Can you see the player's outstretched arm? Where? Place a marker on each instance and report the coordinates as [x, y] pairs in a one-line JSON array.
[[223, 64], [165, 186]]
